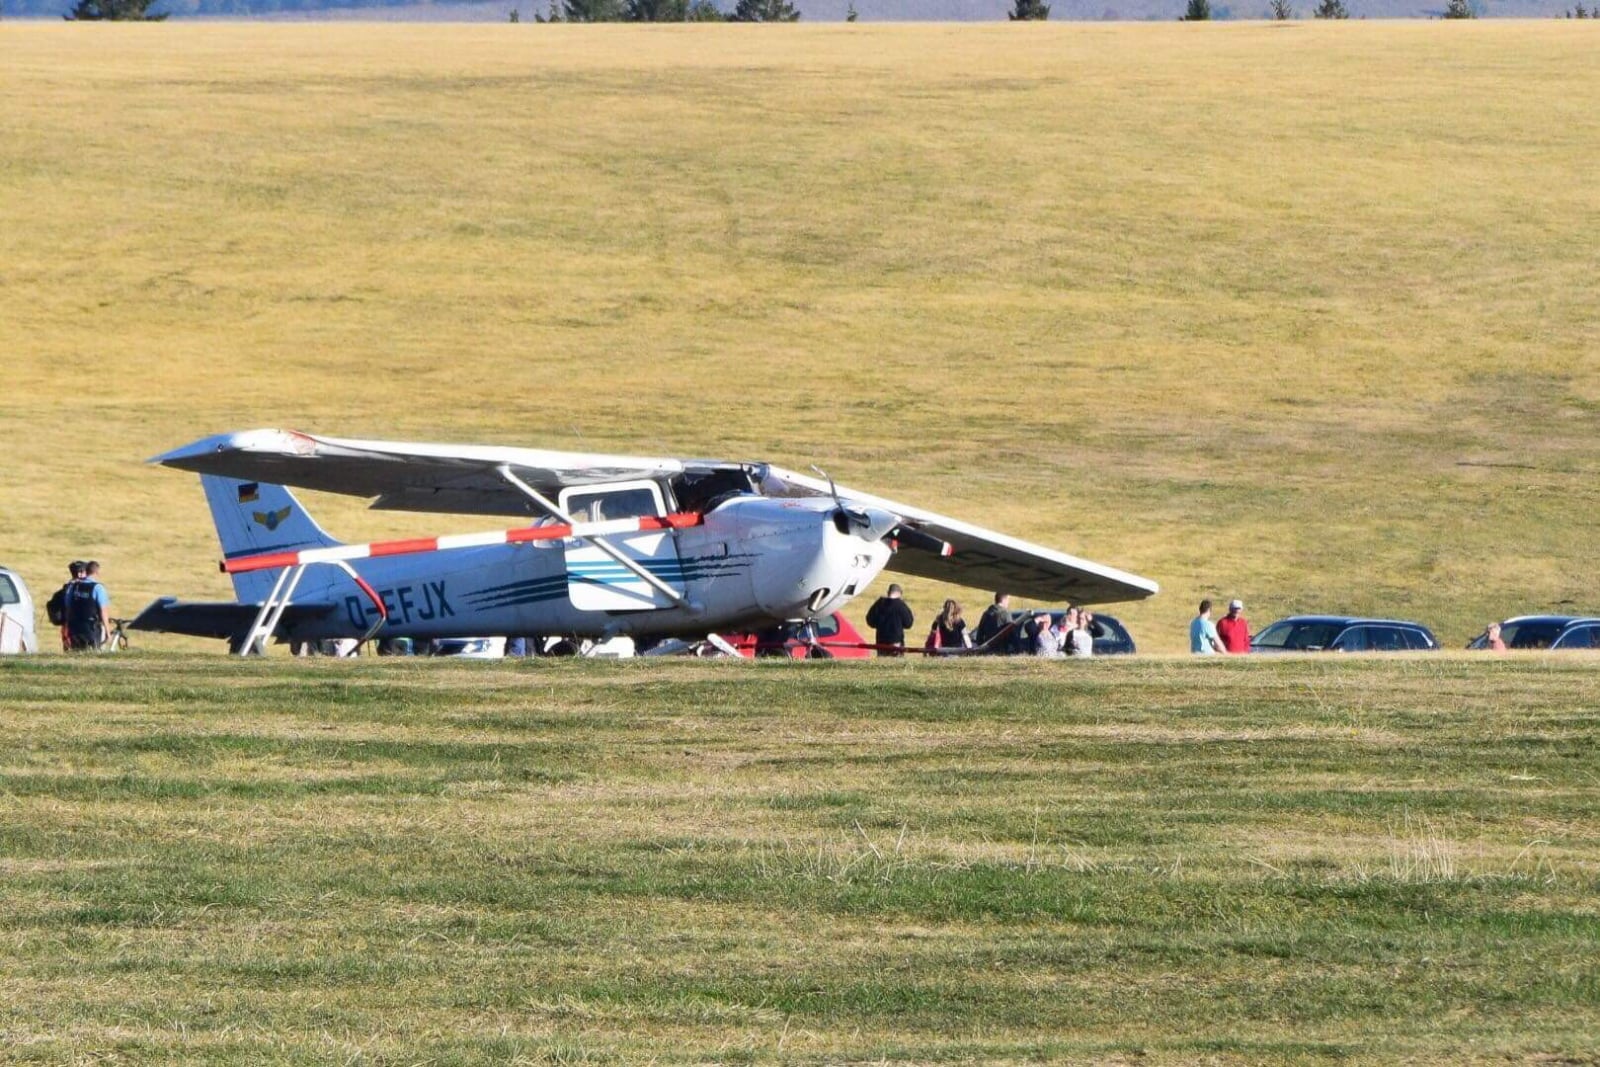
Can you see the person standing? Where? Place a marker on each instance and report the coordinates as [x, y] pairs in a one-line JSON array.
[[1495, 642], [1046, 638], [56, 607], [88, 610], [949, 629], [1234, 629], [890, 617], [1065, 629], [996, 617], [1082, 638], [1203, 639]]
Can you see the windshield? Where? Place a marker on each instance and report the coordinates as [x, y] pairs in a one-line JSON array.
[[1532, 634], [1298, 635], [8, 590]]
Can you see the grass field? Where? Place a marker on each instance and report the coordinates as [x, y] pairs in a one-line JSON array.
[[1301, 313], [1138, 862]]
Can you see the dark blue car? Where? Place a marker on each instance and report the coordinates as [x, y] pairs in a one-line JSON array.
[[1343, 633], [1546, 631], [1111, 638]]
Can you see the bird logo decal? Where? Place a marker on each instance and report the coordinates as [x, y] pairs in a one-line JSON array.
[[270, 519]]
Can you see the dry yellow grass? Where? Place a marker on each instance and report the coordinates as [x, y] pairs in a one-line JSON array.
[[1251, 309]]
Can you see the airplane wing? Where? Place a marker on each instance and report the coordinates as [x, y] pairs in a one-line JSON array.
[[220, 618], [403, 476], [982, 558], [464, 479]]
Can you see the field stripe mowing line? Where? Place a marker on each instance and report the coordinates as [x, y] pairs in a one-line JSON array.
[[208, 860]]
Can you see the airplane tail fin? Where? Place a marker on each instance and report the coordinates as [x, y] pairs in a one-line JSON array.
[[253, 517]]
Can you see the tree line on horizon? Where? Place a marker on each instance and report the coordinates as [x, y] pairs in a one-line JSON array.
[[672, 10], [558, 10], [663, 11]]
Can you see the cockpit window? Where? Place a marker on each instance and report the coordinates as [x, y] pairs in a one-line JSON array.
[[8, 591], [700, 491], [614, 504]]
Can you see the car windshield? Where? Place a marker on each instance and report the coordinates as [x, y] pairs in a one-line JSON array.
[[8, 591], [1298, 635], [1531, 634]]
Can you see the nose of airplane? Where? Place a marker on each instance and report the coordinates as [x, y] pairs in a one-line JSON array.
[[813, 555]]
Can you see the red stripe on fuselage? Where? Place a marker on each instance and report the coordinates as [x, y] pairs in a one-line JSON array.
[[413, 545]]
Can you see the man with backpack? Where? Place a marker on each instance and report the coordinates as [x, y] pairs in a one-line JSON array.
[[87, 610], [55, 608]]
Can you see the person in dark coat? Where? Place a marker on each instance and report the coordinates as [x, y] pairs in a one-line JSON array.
[[949, 629], [995, 618], [890, 617]]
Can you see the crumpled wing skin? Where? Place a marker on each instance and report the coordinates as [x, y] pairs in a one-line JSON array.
[[456, 479], [983, 559]]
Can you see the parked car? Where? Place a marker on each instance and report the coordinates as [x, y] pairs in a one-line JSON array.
[[1343, 633], [830, 637], [1111, 638], [16, 615], [1546, 631], [469, 647]]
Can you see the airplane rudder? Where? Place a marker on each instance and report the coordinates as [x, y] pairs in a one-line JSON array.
[[259, 517]]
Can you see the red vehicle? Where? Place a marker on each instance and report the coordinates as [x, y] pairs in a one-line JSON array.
[[830, 637]]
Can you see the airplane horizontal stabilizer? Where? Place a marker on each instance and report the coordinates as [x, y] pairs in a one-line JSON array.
[[220, 619]]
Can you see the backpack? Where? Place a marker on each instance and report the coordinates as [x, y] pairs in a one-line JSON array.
[[82, 610], [55, 608]]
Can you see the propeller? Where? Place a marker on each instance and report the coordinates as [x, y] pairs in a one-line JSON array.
[[857, 517]]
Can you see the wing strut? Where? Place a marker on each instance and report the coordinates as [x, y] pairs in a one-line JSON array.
[[277, 602], [643, 573]]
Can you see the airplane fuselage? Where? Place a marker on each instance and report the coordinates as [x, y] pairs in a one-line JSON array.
[[752, 561]]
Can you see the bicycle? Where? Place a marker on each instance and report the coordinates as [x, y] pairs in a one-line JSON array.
[[116, 640]]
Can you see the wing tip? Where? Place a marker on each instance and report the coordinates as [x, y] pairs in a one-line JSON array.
[[191, 456]]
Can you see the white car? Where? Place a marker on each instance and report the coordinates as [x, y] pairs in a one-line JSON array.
[[470, 647], [16, 615], [495, 647]]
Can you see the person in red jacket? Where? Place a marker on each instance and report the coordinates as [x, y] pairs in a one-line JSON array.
[[1234, 628]]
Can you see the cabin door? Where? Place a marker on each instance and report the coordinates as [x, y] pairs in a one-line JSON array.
[[595, 581]]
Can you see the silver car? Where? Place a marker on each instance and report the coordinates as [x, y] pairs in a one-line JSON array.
[[16, 615]]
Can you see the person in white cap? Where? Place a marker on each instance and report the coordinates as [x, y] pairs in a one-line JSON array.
[[1234, 628]]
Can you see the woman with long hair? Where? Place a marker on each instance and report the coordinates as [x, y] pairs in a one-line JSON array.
[[949, 629]]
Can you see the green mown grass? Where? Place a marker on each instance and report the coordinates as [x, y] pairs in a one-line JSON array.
[[1168, 862]]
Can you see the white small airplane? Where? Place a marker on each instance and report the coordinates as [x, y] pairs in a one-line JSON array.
[[612, 545]]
